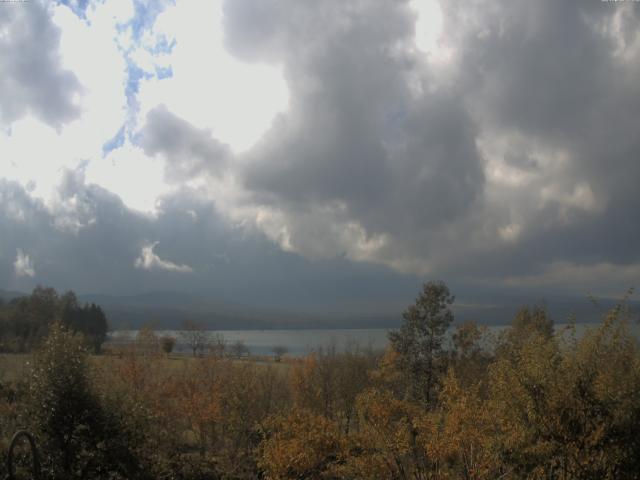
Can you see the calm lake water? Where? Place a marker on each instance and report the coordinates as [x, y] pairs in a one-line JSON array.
[[302, 342], [297, 342]]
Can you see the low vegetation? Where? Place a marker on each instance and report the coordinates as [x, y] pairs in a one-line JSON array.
[[531, 403]]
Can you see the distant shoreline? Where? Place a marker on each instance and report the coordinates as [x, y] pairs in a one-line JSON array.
[[301, 341]]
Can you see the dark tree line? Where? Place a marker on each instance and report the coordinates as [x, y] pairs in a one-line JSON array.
[[25, 321]]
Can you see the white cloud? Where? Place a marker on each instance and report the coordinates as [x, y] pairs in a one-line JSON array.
[[511, 232], [31, 149], [148, 260], [428, 30], [101, 71], [36, 153], [135, 177], [23, 266], [33, 80], [322, 233], [581, 197], [235, 100]]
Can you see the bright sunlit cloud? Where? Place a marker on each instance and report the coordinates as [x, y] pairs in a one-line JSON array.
[[23, 266], [235, 100], [428, 29], [149, 260], [136, 178], [37, 154]]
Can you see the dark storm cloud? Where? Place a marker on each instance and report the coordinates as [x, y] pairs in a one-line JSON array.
[[88, 238], [532, 66], [379, 137], [359, 139], [95, 247], [31, 77], [187, 150], [21, 219], [518, 156], [562, 76]]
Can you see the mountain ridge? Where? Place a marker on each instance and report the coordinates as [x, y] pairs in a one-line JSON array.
[[170, 309]]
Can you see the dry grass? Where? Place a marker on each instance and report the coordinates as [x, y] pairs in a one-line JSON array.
[[14, 367]]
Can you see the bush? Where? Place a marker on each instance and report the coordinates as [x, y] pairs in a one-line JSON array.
[[78, 438], [167, 343]]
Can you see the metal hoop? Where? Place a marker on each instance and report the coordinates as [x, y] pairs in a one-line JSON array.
[[35, 463]]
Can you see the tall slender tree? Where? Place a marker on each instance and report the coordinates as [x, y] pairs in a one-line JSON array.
[[419, 340]]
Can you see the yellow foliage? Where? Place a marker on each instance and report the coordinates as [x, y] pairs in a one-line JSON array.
[[458, 439], [300, 445], [384, 446], [570, 409]]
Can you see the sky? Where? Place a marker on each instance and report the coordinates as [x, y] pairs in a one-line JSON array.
[[335, 152]]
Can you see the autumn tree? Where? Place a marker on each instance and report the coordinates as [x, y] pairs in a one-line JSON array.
[[199, 398], [470, 357], [385, 444], [458, 437], [167, 343], [528, 322], [147, 342], [569, 408], [419, 340], [239, 349], [313, 383], [300, 445], [279, 351], [466, 339], [217, 345], [194, 335], [352, 378]]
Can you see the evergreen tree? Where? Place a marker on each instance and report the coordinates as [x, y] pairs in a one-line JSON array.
[[78, 437], [419, 340]]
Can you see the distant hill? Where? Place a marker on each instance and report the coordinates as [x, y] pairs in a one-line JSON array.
[[167, 310], [8, 295]]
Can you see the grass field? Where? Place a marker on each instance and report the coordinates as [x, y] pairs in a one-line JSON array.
[[14, 367]]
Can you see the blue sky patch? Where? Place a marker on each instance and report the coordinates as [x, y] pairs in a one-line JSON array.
[[79, 7], [116, 142], [164, 72]]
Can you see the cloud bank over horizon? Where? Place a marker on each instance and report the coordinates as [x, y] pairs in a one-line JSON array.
[[344, 150]]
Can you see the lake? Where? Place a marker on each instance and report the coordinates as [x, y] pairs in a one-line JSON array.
[[297, 342], [302, 342]]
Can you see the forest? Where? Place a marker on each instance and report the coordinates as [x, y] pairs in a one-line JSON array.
[[25, 320], [534, 402]]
